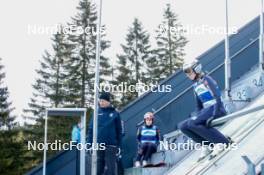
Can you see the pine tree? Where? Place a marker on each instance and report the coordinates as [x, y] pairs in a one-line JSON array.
[[81, 69], [12, 152], [6, 119], [48, 87], [132, 62], [62, 50], [170, 46], [124, 76], [50, 90]]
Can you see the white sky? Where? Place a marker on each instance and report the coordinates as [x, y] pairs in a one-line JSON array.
[[21, 50]]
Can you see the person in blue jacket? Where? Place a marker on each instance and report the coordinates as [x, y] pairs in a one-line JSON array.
[[209, 106], [76, 133], [109, 133], [148, 137]]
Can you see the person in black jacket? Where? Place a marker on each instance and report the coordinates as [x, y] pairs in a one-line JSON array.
[[109, 133]]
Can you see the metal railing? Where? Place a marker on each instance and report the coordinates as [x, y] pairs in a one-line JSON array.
[[251, 167], [236, 115]]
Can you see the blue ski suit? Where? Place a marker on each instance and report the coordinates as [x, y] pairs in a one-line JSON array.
[[208, 104], [148, 138]]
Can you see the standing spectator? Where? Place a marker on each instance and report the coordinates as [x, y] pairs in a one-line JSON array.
[[109, 133], [76, 133]]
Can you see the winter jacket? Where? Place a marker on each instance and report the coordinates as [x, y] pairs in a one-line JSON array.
[[109, 127]]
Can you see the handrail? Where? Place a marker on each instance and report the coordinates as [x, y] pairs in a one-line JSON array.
[[236, 115], [212, 71]]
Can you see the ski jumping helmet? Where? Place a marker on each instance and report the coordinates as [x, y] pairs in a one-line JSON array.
[[194, 65], [149, 115]]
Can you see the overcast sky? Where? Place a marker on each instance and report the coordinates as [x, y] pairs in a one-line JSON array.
[[21, 50]]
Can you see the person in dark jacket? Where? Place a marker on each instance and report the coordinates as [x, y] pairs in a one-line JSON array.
[[209, 106], [148, 137], [109, 133]]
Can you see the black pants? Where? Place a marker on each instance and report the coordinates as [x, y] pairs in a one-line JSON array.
[[146, 150], [107, 161]]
